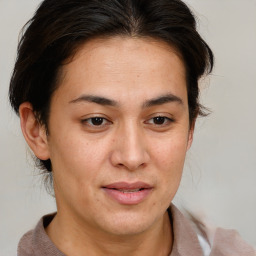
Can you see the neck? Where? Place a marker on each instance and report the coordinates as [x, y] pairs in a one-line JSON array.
[[74, 240]]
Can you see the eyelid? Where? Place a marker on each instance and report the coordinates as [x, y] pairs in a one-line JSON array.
[[168, 120], [106, 121]]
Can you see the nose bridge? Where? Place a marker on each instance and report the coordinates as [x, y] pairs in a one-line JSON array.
[[132, 138], [131, 150]]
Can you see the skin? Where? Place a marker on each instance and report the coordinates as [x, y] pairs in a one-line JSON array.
[[128, 144]]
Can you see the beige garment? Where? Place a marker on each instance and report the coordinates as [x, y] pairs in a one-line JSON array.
[[228, 242], [225, 242], [185, 238], [222, 242], [37, 243]]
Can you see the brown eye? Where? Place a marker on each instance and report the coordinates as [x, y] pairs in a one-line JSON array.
[[95, 121], [159, 120]]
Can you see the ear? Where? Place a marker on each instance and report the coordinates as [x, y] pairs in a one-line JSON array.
[[191, 134], [33, 132]]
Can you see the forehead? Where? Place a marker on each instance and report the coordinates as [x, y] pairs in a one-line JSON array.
[[124, 65]]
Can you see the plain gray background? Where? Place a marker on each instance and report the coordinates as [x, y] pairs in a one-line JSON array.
[[220, 174]]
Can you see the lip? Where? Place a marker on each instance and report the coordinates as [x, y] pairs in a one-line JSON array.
[[128, 193]]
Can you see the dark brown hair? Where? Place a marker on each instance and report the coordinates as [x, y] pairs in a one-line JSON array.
[[59, 27]]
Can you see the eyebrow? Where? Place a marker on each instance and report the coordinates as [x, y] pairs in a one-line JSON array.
[[167, 98], [95, 99]]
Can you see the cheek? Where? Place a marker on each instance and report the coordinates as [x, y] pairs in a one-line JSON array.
[[76, 151], [170, 152], [79, 162], [169, 157], [76, 166]]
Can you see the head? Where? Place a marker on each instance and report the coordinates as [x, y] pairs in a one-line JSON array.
[[110, 85]]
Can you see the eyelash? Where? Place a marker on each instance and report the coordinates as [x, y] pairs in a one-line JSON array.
[[104, 122], [166, 120], [89, 121]]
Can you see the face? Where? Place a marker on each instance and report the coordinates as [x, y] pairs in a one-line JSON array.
[[118, 134]]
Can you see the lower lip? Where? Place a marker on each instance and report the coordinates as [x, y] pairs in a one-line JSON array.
[[128, 198]]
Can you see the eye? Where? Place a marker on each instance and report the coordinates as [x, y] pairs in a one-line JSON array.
[[95, 121], [160, 120]]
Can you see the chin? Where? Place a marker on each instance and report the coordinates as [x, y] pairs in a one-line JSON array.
[[125, 224]]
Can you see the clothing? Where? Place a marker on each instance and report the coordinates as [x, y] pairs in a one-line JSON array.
[[186, 242]]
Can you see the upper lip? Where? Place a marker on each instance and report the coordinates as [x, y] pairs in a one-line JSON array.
[[126, 185]]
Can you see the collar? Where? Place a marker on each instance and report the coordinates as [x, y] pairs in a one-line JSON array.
[[185, 238], [36, 242]]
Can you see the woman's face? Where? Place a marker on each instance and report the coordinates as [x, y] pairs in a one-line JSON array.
[[118, 134]]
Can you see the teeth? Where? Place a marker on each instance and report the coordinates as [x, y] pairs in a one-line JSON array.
[[130, 190]]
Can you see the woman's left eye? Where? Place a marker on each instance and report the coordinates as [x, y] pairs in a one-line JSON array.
[[160, 120], [96, 121]]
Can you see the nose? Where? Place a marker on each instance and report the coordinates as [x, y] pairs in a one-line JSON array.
[[129, 149]]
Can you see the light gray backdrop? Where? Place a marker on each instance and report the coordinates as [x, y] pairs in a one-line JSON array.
[[220, 174]]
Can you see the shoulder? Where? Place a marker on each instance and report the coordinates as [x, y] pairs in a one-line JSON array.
[[229, 242], [216, 241], [25, 244], [36, 242]]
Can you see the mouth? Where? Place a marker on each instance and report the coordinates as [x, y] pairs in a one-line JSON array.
[[129, 190], [128, 193]]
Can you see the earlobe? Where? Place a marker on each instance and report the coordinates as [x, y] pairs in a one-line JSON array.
[[190, 139], [190, 135], [33, 132]]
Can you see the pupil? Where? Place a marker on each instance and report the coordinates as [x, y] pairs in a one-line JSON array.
[[97, 121], [159, 120]]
